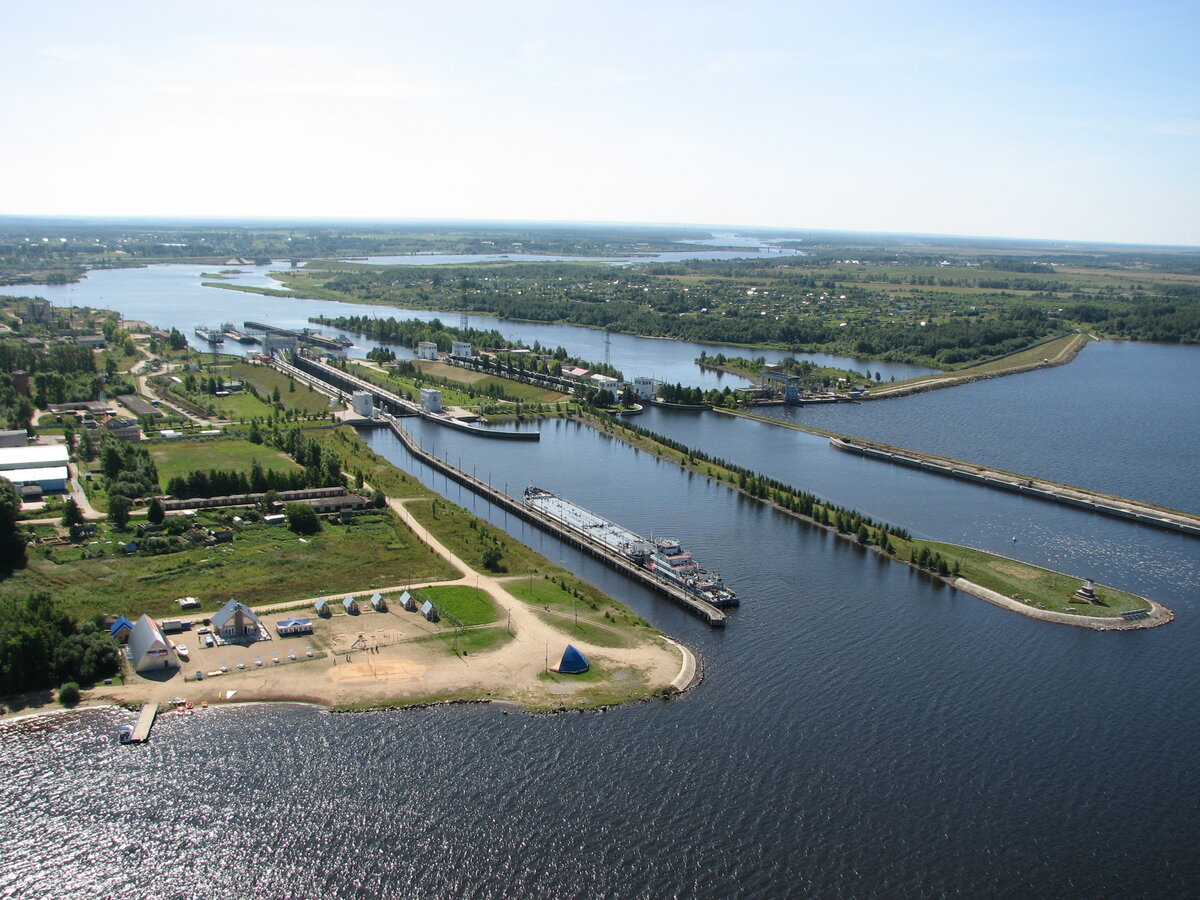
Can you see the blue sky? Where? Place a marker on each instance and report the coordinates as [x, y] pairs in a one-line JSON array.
[[1061, 121]]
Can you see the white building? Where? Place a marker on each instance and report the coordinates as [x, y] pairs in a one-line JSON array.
[[645, 387], [148, 649], [427, 350], [607, 383], [460, 348], [363, 403], [44, 465], [431, 400]]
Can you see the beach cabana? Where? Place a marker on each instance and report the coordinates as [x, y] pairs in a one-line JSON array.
[[323, 608], [148, 647], [378, 603], [121, 629], [572, 663], [408, 601], [235, 620], [429, 611], [294, 626], [350, 606]]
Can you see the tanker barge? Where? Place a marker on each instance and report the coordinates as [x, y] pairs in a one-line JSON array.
[[665, 557]]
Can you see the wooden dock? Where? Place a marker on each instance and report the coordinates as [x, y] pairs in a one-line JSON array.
[[141, 731]]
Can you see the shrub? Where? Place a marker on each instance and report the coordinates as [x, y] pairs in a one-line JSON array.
[[68, 694]]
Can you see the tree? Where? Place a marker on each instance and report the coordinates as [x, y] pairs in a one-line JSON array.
[[491, 557], [86, 449], [12, 542], [302, 518], [378, 499], [118, 510], [156, 513], [72, 515]]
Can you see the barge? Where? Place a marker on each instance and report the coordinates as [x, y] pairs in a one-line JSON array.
[[665, 557]]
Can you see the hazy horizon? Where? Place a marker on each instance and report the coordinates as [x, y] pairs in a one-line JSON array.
[[1070, 123]]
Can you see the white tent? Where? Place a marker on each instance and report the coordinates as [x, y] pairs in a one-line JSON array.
[[148, 648]]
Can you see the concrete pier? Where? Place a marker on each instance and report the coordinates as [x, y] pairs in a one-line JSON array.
[[1118, 507], [596, 550]]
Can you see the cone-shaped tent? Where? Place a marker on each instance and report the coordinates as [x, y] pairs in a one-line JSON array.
[[572, 663]]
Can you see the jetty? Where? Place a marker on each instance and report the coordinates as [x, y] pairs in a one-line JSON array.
[[1117, 507], [606, 553], [141, 731]]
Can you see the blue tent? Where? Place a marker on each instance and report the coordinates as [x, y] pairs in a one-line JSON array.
[[572, 663]]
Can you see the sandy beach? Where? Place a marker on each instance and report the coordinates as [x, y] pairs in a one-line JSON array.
[[389, 659]]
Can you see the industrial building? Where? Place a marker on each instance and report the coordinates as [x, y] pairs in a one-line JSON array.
[[40, 465]]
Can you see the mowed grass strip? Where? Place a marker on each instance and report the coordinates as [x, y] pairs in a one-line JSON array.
[[181, 457], [1045, 588], [469, 605]]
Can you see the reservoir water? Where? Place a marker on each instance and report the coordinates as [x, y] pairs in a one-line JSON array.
[[859, 731]]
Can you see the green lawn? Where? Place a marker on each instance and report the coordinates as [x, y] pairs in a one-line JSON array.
[[1040, 587], [266, 379], [469, 605], [475, 640], [180, 457], [264, 564], [240, 405]]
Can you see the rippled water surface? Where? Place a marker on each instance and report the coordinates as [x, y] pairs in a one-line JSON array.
[[859, 732]]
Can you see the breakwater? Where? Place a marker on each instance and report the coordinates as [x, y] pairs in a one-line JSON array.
[[1118, 507], [613, 560]]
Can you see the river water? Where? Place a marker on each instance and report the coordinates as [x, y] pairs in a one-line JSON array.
[[859, 731], [174, 296]]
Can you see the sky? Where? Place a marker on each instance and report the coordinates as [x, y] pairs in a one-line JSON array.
[[1059, 121]]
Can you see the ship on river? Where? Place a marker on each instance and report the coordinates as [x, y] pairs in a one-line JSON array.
[[664, 557], [209, 334]]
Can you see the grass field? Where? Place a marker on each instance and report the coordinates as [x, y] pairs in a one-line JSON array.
[[1042, 588], [469, 605], [181, 457], [356, 456], [479, 381], [565, 594], [264, 564], [468, 537], [266, 379], [474, 640]]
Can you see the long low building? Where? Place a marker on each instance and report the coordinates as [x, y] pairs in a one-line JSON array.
[[34, 456], [49, 479]]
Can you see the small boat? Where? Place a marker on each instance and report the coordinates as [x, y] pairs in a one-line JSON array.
[[125, 734]]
